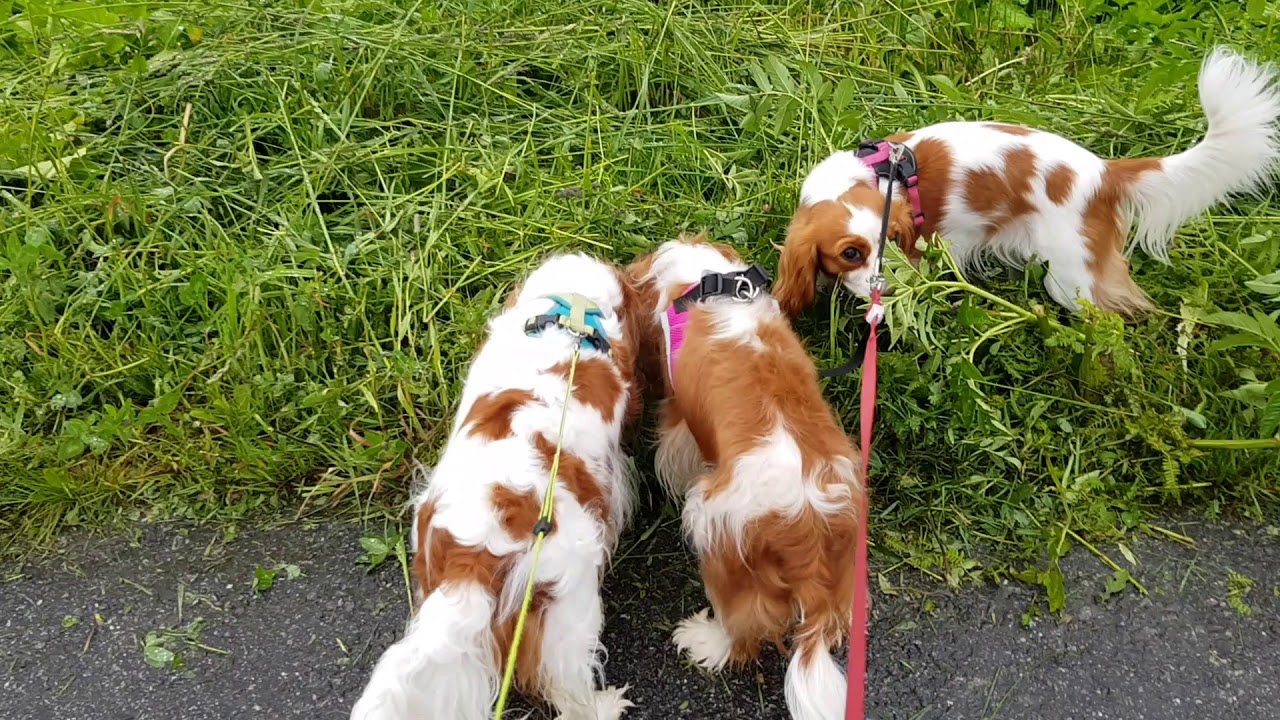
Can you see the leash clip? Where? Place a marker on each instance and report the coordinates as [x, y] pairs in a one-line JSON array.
[[878, 282], [744, 290]]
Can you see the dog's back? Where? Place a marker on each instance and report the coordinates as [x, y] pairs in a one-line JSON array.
[[475, 518]]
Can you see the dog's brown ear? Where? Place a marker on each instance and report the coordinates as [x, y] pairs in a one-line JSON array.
[[902, 229], [797, 284]]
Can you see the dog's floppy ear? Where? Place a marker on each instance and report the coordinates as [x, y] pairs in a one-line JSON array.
[[902, 229], [797, 284]]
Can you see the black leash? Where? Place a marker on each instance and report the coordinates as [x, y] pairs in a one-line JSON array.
[[877, 278], [853, 363]]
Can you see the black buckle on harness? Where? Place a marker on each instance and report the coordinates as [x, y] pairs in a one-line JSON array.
[[590, 336], [907, 173], [742, 285]]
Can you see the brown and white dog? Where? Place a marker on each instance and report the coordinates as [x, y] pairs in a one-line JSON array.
[[475, 519], [1014, 193], [770, 482]]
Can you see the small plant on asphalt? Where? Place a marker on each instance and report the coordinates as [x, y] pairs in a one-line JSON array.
[[378, 548], [265, 578], [1238, 587], [163, 649]]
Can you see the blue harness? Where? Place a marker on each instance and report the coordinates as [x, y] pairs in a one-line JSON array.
[[574, 313]]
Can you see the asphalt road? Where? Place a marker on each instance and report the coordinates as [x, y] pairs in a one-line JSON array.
[[73, 629]]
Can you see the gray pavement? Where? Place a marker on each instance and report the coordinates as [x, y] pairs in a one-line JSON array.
[[74, 628]]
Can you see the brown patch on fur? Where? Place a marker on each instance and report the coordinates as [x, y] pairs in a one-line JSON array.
[[627, 356], [899, 137], [577, 478], [935, 164], [528, 676], [1007, 129], [490, 416], [1105, 231], [1003, 196], [784, 565], [517, 511], [648, 347], [594, 384], [722, 400], [441, 559], [1058, 183]]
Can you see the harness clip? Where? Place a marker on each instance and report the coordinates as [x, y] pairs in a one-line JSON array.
[[745, 290], [878, 282]]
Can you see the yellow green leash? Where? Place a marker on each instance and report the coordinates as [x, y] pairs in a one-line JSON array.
[[575, 323]]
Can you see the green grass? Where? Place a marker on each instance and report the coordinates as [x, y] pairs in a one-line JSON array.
[[246, 250]]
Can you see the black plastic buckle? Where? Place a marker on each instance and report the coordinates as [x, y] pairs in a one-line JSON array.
[[741, 285], [539, 323], [710, 285], [758, 276], [907, 168], [868, 147]]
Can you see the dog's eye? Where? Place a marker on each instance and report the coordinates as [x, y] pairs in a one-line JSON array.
[[851, 254]]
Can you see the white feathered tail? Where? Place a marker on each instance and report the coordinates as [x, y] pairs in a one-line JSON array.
[[1239, 154]]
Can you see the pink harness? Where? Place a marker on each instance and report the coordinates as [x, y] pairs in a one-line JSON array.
[[875, 155], [673, 324]]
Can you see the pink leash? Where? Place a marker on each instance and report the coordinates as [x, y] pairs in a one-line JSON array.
[[855, 704], [856, 697]]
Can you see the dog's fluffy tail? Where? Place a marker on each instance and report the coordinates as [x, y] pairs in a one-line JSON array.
[[444, 668], [815, 684], [1238, 155]]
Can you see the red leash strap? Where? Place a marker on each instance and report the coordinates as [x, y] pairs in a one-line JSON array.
[[856, 698]]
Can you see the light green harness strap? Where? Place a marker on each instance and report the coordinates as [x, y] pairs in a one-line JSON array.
[[578, 307]]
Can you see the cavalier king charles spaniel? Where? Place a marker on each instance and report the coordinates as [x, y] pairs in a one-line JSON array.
[[770, 483], [1015, 193], [475, 518]]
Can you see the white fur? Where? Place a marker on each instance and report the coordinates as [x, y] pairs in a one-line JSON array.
[[681, 264], [766, 480], [815, 685], [608, 704], [443, 665], [678, 462], [1239, 154], [863, 223], [705, 640], [740, 321], [444, 669], [829, 179]]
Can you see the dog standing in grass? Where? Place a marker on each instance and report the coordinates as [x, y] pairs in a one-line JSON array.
[[474, 521], [769, 480], [1013, 193]]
